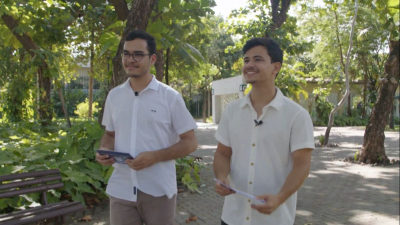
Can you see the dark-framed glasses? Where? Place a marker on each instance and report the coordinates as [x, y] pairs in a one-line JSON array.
[[137, 57]]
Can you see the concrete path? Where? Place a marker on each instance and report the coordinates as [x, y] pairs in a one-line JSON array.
[[336, 192]]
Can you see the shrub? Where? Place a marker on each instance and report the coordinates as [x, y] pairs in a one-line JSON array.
[[83, 109]]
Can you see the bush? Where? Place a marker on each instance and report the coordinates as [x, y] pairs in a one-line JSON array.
[[209, 119], [72, 98], [83, 109], [26, 149], [188, 168]]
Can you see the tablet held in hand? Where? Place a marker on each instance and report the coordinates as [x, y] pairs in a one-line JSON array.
[[119, 157]]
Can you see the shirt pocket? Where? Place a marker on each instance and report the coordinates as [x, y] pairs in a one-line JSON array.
[[157, 114]]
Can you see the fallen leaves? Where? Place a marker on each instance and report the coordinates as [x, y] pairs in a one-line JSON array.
[[86, 218], [191, 218]]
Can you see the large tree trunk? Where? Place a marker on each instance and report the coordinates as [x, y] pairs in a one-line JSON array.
[[391, 118], [44, 81], [138, 18], [373, 149], [159, 65]]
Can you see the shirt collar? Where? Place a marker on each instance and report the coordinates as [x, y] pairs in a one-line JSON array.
[[277, 102], [154, 83]]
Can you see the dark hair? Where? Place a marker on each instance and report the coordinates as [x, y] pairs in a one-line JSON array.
[[273, 49], [151, 42]]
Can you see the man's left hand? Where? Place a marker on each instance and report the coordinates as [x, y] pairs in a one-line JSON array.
[[272, 202], [142, 161]]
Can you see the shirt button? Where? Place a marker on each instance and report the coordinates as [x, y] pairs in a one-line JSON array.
[[254, 144], [247, 218], [249, 200], [252, 164], [250, 182]]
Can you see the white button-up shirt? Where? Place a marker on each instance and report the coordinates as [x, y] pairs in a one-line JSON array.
[[151, 121], [261, 155]]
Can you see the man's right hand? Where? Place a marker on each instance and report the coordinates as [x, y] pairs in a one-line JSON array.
[[104, 160], [221, 190]]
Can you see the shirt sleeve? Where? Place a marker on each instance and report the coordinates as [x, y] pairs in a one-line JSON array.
[[107, 118], [222, 134], [302, 133], [182, 121]]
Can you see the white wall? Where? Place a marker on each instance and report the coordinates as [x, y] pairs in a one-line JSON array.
[[224, 87]]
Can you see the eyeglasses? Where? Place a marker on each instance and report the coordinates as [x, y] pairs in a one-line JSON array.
[[137, 57]]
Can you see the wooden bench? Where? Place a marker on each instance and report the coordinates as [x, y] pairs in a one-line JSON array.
[[32, 182]]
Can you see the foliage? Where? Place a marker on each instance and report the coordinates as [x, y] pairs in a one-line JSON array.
[[342, 121], [187, 172], [321, 139], [83, 109], [209, 119], [323, 107], [26, 147], [72, 98]]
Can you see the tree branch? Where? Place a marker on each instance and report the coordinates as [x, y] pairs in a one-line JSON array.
[[25, 40], [121, 8]]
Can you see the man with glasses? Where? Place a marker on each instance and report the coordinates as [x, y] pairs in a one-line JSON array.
[[149, 120]]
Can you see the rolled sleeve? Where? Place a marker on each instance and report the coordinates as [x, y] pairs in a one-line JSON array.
[[107, 117], [222, 134], [302, 133], [182, 120]]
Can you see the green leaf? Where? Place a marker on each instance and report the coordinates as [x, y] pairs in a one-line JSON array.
[[117, 24]]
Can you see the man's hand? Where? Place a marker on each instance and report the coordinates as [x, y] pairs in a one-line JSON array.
[[143, 160], [221, 190], [104, 160], [272, 202]]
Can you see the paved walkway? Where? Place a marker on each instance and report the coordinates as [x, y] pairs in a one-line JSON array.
[[335, 192]]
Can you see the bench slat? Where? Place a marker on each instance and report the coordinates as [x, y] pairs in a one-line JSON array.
[[29, 174], [24, 183], [30, 190], [44, 214], [36, 210]]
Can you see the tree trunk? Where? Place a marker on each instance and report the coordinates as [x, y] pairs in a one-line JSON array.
[[209, 103], [45, 109], [349, 103], [340, 104], [373, 150], [159, 65], [91, 74], [391, 118], [138, 18], [204, 104], [64, 106], [167, 66]]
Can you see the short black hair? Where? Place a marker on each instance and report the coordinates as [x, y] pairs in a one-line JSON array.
[[274, 51], [151, 42]]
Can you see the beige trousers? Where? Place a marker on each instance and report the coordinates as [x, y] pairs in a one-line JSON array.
[[147, 210]]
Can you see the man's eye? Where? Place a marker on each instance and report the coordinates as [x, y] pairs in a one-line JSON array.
[[258, 59], [246, 61], [125, 53], [139, 54]]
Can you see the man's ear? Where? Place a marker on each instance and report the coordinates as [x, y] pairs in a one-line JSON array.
[[153, 59], [277, 67]]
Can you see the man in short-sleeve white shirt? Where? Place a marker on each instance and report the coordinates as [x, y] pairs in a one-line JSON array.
[[265, 144], [148, 120]]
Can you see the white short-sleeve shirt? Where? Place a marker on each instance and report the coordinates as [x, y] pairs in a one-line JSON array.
[[151, 121], [261, 155]]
